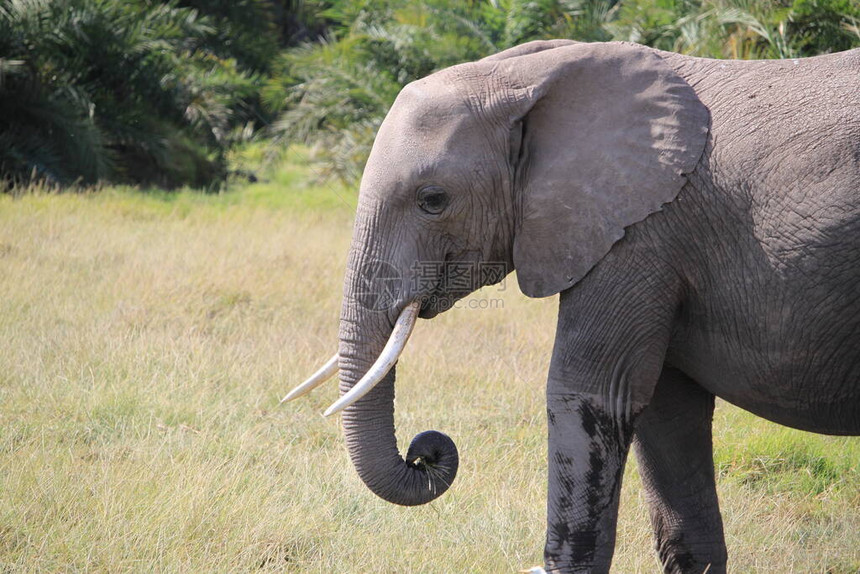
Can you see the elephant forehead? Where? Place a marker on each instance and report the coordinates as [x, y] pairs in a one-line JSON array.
[[425, 133], [430, 98], [426, 117]]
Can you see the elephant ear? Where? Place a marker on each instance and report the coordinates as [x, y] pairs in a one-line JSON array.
[[608, 132]]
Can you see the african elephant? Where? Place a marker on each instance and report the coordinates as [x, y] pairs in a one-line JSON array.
[[700, 220]]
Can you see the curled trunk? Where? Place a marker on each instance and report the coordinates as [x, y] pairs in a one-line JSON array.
[[431, 461]]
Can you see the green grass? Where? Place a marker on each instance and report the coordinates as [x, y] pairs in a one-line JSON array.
[[147, 338]]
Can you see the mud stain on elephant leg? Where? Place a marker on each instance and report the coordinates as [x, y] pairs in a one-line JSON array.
[[588, 450]]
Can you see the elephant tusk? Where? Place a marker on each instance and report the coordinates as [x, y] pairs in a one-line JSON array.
[[389, 355], [325, 372]]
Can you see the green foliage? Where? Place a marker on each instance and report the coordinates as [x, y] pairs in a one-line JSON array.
[[741, 28], [243, 29], [336, 101], [96, 89], [582, 20], [821, 26]]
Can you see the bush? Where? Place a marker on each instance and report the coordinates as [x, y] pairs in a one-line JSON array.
[[122, 91]]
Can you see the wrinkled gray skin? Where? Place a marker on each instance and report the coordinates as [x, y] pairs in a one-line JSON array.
[[701, 220]]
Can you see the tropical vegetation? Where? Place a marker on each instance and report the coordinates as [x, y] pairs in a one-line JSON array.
[[158, 92]]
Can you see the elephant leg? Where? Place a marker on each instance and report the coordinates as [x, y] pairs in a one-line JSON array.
[[611, 340], [673, 445], [587, 450]]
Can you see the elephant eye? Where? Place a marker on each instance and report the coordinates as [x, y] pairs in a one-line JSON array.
[[432, 199]]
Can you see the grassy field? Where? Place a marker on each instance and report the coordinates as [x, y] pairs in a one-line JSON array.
[[147, 338]]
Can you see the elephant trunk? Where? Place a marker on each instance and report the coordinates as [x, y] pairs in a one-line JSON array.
[[431, 461]]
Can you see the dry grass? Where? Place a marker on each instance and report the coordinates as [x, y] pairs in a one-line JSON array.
[[146, 342]]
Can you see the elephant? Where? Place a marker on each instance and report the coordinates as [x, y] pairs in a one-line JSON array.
[[699, 220]]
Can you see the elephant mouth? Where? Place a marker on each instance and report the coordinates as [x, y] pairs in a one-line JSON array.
[[439, 301], [428, 309], [458, 279], [431, 302]]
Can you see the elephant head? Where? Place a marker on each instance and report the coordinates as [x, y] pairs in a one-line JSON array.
[[536, 158]]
